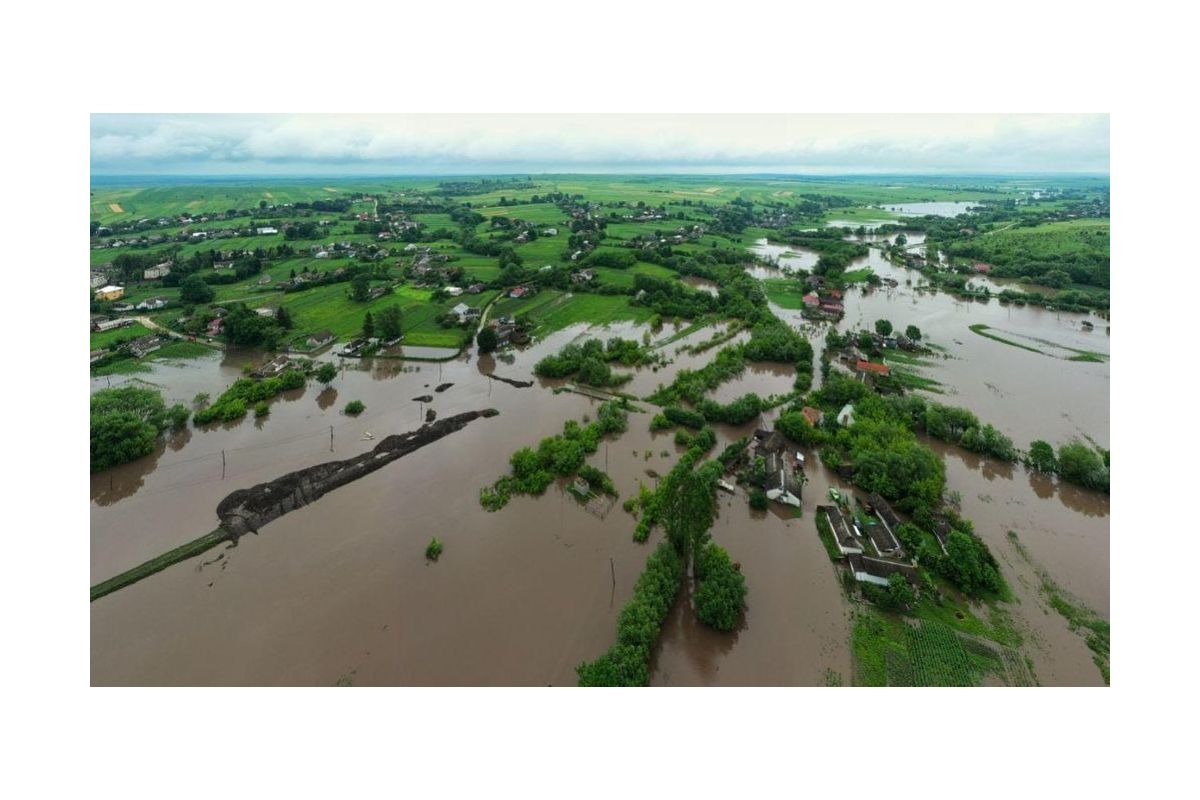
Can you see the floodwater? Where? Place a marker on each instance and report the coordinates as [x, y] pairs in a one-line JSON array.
[[340, 591], [936, 209]]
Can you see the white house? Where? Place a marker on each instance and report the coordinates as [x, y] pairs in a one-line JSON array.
[[267, 231], [453, 291], [157, 271]]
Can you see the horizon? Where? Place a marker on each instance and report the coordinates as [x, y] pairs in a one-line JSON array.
[[422, 145]]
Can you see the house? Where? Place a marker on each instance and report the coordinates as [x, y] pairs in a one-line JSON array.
[[266, 231], [517, 292], [583, 276], [768, 442], [98, 279], [780, 485], [811, 300], [869, 569], [453, 291], [377, 292], [887, 516], [981, 268], [871, 367], [845, 417], [152, 304], [110, 292], [319, 339], [265, 312], [157, 271], [110, 324], [813, 415], [321, 254], [273, 367], [143, 345], [215, 326], [833, 307], [265, 279], [123, 308], [843, 534], [475, 288], [464, 312], [550, 232]]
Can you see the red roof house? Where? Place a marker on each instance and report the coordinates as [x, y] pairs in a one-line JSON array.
[[870, 366]]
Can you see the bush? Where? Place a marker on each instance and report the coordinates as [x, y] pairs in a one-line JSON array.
[[433, 549], [721, 595], [177, 416], [355, 407], [758, 500], [261, 409]]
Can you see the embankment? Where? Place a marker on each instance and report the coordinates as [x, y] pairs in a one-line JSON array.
[[247, 510]]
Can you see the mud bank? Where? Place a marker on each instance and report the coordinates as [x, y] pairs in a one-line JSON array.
[[247, 510]]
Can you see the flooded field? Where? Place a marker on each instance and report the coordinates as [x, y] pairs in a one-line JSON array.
[[339, 591], [936, 209]]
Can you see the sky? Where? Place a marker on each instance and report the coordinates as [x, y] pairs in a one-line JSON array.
[[442, 144]]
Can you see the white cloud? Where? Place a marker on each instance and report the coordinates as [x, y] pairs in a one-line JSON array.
[[463, 143]]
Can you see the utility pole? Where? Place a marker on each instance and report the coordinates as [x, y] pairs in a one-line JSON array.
[[331, 438], [613, 569], [222, 465]]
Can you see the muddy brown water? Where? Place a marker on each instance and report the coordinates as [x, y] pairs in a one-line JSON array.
[[341, 591]]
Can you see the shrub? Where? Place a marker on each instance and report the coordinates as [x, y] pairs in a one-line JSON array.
[[261, 409], [758, 499], [721, 595], [433, 549], [355, 407]]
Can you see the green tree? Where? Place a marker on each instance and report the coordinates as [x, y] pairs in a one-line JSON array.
[[283, 318], [913, 332], [1082, 465], [1041, 457], [368, 328], [195, 291], [487, 340], [389, 323], [883, 327], [326, 373], [360, 287], [721, 595], [900, 591]]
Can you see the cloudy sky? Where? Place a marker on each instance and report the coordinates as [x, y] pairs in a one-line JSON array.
[[414, 144]]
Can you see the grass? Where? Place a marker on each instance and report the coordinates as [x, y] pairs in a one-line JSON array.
[[1079, 617], [104, 339], [159, 563], [982, 330], [551, 310]]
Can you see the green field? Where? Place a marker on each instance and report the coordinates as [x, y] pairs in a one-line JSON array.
[[330, 308]]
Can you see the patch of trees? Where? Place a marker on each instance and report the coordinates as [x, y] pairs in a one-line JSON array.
[[692, 385], [671, 298], [590, 361], [721, 593], [244, 327], [245, 393], [627, 662], [534, 470], [614, 259], [736, 412], [1076, 462], [304, 230], [126, 422]]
